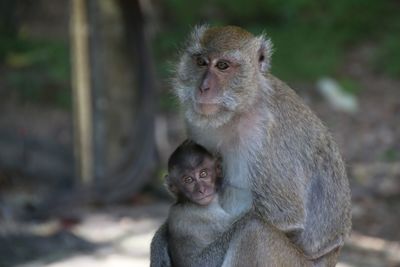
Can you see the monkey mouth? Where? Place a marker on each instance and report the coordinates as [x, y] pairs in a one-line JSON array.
[[206, 108], [205, 200]]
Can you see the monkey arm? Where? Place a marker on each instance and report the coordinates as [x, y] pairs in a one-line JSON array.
[[280, 194], [159, 250], [186, 253], [279, 198], [327, 199], [286, 212], [300, 198], [214, 254], [301, 187]]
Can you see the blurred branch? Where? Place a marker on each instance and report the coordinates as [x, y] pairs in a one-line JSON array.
[[138, 158], [98, 90], [81, 91], [137, 165]]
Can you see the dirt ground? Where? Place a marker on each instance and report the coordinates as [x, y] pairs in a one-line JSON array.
[[120, 236]]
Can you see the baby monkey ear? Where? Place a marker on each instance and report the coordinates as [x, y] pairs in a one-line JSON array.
[[170, 186]]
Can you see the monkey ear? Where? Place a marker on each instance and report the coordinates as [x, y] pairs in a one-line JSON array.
[[173, 189], [264, 53], [170, 187]]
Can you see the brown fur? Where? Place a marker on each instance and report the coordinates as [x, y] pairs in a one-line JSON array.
[[274, 147], [225, 38]]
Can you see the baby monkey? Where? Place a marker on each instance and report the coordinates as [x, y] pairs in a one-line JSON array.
[[197, 225], [196, 219]]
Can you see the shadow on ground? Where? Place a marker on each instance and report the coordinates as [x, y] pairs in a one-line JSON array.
[[16, 249]]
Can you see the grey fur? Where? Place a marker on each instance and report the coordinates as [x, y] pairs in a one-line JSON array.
[[192, 228], [274, 146]]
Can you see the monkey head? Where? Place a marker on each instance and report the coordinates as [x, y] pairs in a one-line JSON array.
[[193, 174], [219, 73]]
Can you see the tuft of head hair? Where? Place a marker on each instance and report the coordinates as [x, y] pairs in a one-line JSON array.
[[225, 38], [229, 38], [188, 155]]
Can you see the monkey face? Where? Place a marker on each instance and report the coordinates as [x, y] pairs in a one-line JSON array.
[[217, 75], [217, 72], [198, 184]]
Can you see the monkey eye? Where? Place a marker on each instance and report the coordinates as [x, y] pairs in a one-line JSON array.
[[221, 65], [201, 61], [187, 179], [203, 174]]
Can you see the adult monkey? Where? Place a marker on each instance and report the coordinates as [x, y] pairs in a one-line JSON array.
[[270, 141]]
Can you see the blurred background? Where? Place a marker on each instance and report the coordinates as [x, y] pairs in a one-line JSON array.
[[88, 120]]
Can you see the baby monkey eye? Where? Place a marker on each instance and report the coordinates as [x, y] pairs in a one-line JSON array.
[[187, 179], [200, 61], [203, 174], [221, 65]]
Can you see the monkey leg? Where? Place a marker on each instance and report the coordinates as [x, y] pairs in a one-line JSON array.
[[259, 244], [328, 260]]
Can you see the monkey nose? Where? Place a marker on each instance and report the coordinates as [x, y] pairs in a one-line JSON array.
[[201, 189]]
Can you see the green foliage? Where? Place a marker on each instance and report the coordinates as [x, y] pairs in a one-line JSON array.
[[310, 37], [391, 154], [295, 58], [350, 86], [168, 101], [388, 57], [38, 70]]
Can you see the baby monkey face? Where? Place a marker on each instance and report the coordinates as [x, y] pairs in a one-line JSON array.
[[198, 184]]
